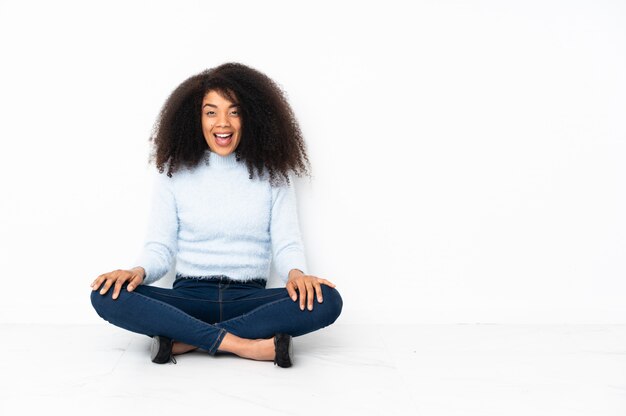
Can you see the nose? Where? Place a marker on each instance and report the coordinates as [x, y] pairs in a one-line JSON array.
[[222, 121]]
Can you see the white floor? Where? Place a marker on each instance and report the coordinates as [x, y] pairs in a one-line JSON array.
[[343, 369]]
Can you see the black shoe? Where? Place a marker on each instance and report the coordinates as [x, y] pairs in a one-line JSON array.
[[161, 350], [283, 346]]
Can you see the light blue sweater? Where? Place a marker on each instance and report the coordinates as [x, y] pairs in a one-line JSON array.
[[214, 220]]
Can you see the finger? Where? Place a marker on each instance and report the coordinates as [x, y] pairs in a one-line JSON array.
[[118, 286], [318, 290], [327, 283], [291, 290], [310, 294], [95, 284], [106, 286], [302, 293], [134, 282]]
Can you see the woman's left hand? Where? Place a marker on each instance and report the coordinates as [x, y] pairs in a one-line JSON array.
[[308, 286]]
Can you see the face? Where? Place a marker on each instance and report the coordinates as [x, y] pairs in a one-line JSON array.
[[221, 123]]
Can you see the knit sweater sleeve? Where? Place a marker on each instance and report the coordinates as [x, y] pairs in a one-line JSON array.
[[160, 244], [287, 247]]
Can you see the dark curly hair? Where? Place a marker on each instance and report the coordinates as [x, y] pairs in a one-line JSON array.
[[271, 139]]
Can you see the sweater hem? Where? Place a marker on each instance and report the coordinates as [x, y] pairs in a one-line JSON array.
[[222, 277]]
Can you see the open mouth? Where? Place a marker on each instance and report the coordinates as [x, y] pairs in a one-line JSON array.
[[223, 139]]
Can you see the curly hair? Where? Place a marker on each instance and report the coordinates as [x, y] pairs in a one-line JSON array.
[[271, 139]]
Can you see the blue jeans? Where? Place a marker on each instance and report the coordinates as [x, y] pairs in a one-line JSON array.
[[200, 311]]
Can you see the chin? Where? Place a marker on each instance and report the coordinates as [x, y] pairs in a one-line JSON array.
[[221, 151]]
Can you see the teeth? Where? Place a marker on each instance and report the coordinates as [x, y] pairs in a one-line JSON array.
[[223, 136]]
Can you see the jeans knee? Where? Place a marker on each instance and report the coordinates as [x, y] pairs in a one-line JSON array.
[[103, 304], [333, 303], [96, 301]]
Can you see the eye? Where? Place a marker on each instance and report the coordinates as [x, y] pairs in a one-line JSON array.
[[234, 112], [210, 113]]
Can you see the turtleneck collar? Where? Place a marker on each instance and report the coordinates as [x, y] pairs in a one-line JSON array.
[[218, 161]]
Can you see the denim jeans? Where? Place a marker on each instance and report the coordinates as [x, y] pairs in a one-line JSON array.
[[200, 311]]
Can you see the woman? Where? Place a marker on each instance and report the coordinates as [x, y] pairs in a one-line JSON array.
[[225, 209]]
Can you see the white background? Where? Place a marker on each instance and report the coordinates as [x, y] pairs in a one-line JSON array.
[[468, 157]]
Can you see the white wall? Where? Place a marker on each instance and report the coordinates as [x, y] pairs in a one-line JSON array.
[[468, 157]]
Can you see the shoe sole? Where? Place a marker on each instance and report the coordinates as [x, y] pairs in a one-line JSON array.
[[158, 353]]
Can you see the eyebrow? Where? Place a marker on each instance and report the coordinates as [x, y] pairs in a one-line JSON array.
[[214, 106]]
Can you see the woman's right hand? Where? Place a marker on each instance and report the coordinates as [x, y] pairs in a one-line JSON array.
[[134, 277]]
